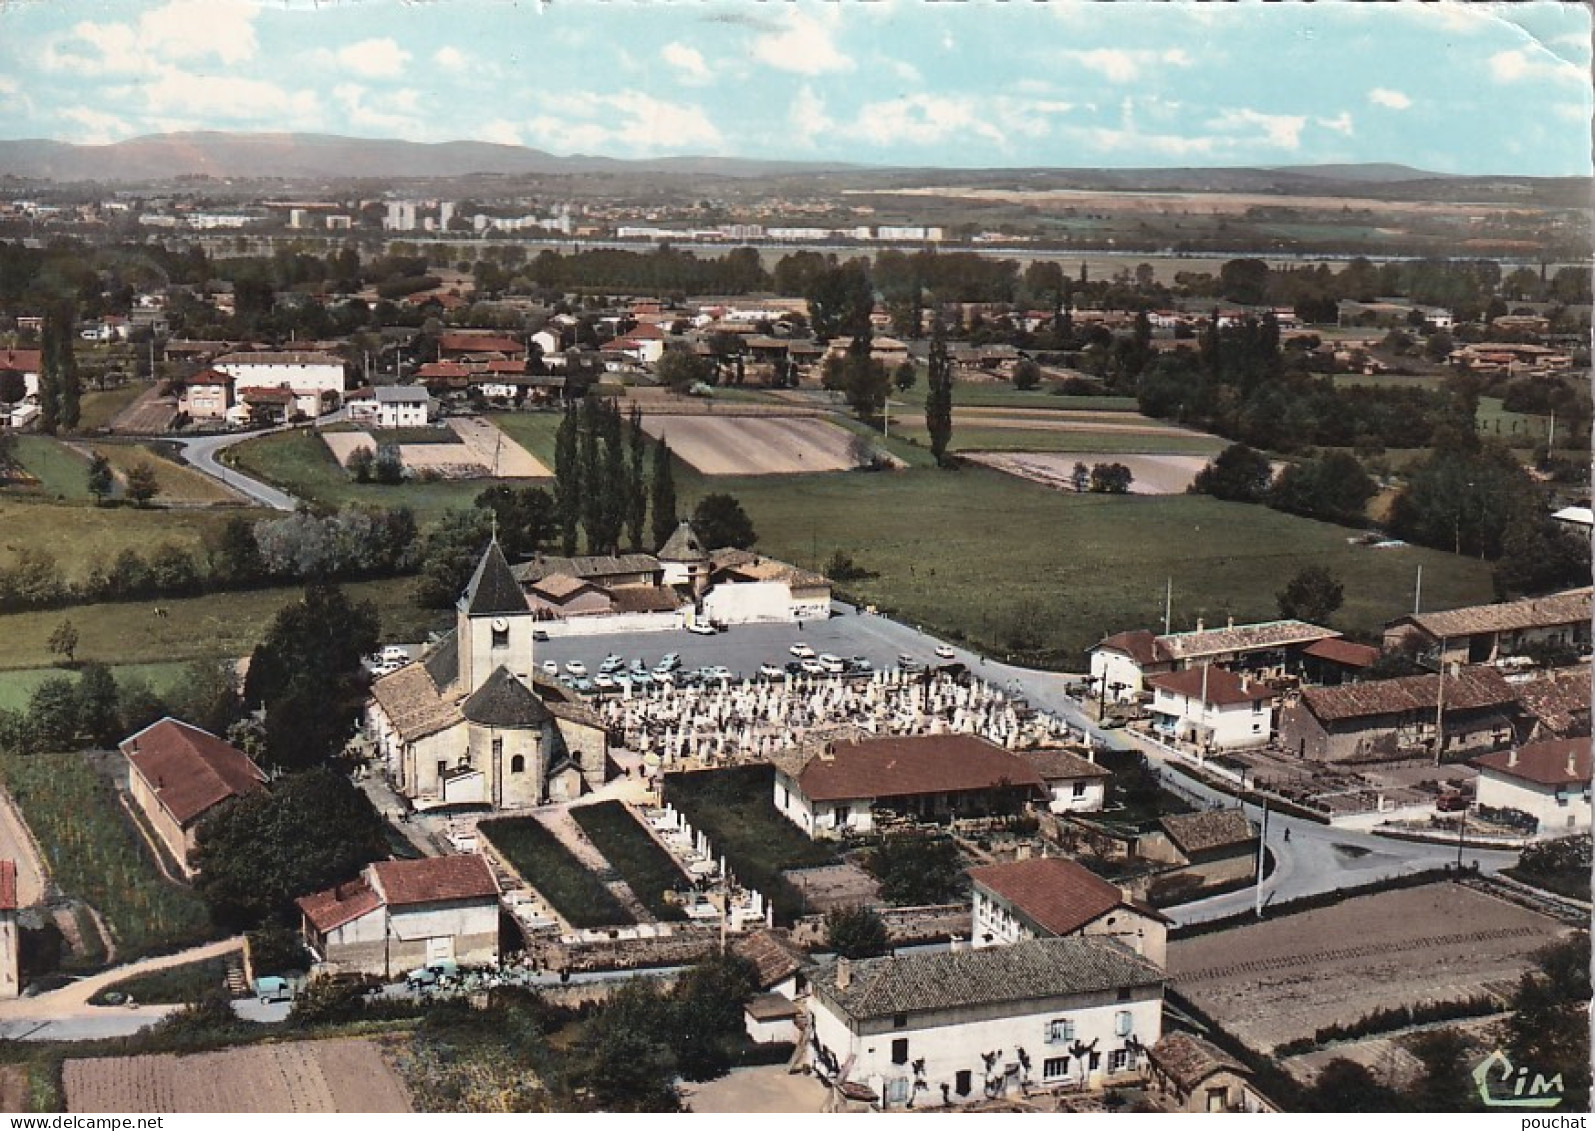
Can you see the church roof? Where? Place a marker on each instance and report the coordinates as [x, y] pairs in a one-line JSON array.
[[683, 546], [504, 701], [493, 588], [442, 661]]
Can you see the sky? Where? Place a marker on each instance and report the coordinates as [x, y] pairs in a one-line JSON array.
[[1451, 87]]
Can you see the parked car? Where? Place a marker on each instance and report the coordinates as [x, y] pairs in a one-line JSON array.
[[273, 989], [550, 668], [860, 664], [833, 665], [802, 651], [701, 628], [813, 667], [946, 652], [540, 635], [794, 667], [431, 974], [669, 660], [603, 681], [394, 654], [576, 667], [611, 662], [770, 671]]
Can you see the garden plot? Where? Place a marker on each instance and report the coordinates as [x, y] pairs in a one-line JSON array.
[[344, 444], [296, 1076], [502, 456], [1281, 979], [451, 461], [1154, 475], [756, 445]]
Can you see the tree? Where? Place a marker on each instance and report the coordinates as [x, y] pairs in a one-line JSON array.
[[233, 554], [856, 932], [905, 376], [681, 369], [142, 484], [720, 522], [1080, 478], [1111, 479], [99, 478], [918, 870], [449, 555], [99, 705], [1538, 556], [525, 515], [256, 854], [939, 396], [636, 480], [308, 677], [568, 479], [864, 380], [1548, 1028], [840, 299], [52, 714], [663, 486], [708, 1000], [361, 464], [1346, 1086], [64, 641], [625, 1056], [1238, 474], [1313, 595], [1333, 487], [13, 386], [207, 695], [1026, 374]]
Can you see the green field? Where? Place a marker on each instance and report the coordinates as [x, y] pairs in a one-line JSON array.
[[300, 463], [1429, 382], [82, 537], [989, 439], [1013, 567], [535, 431], [17, 686], [174, 985], [220, 624], [649, 871], [62, 473], [1002, 394], [735, 809], [574, 891], [98, 409], [178, 484], [94, 853]]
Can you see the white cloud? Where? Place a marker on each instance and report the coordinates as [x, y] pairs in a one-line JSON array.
[[192, 29], [1119, 65], [498, 131], [922, 119], [806, 118], [1282, 131], [352, 97], [905, 71], [1519, 65], [374, 58], [1389, 99], [451, 58], [98, 128], [688, 61], [803, 47], [1340, 123], [638, 122], [225, 97]]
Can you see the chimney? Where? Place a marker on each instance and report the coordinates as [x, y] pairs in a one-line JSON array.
[[844, 973], [1231, 623], [1126, 894], [1511, 761], [1572, 762], [1200, 624]]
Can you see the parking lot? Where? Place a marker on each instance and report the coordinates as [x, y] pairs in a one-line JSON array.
[[743, 648]]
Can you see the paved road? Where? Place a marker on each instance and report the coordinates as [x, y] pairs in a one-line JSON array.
[[201, 452]]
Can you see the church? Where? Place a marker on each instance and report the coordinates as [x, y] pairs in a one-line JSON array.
[[471, 723]]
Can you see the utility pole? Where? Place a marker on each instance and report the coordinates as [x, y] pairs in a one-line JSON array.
[[1168, 604], [1262, 850], [1439, 709], [1417, 592]]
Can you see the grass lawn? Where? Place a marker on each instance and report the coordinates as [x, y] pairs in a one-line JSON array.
[[1388, 381], [735, 809], [97, 409], [82, 537], [17, 686], [1520, 429], [175, 985], [94, 853], [536, 431], [985, 438], [178, 484], [300, 463], [546, 864], [1013, 567], [62, 473], [1002, 394], [649, 871], [221, 624]]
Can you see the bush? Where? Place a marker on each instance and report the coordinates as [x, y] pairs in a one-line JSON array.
[[277, 950]]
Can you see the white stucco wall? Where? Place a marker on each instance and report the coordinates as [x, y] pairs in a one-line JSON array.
[[1091, 798], [1233, 727], [1120, 669], [749, 602], [1560, 811]]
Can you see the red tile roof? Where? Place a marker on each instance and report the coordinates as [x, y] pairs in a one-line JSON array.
[[211, 377], [328, 910], [443, 369], [1469, 689], [1223, 687], [8, 885], [1138, 644], [25, 361], [478, 343], [1562, 761], [1344, 652], [434, 879], [191, 770], [908, 766], [1055, 894]]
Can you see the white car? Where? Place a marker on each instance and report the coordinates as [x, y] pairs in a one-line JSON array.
[[550, 667], [802, 651], [945, 651], [604, 682], [576, 667], [394, 654], [701, 628], [771, 671], [833, 665]]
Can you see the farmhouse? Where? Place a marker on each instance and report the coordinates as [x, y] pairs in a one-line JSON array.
[[970, 1025], [178, 773], [469, 725], [1211, 707], [403, 406], [401, 914], [1468, 710], [1121, 663], [847, 786], [1555, 704], [1215, 846], [1051, 897], [208, 395], [1549, 781], [29, 363], [748, 588], [1076, 784], [1481, 634], [315, 379]]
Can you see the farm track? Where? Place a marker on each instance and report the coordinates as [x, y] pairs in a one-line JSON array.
[[1341, 954]]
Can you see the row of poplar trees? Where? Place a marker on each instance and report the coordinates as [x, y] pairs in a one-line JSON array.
[[60, 389], [601, 489]]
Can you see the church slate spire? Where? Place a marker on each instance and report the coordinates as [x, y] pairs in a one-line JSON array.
[[493, 588]]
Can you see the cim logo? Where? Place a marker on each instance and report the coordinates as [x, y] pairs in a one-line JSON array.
[[1502, 1084]]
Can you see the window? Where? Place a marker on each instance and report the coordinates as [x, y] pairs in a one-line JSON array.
[[501, 636], [1059, 1031], [962, 1082], [1119, 1060], [1123, 1022], [518, 764], [1079, 789], [443, 768], [498, 749], [900, 1051], [843, 813], [898, 1090], [1095, 1062], [899, 1021], [1055, 1068]]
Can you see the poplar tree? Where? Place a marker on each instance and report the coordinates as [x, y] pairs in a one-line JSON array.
[[939, 397], [664, 495]]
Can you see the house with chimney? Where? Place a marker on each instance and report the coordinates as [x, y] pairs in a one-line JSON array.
[[1550, 781], [1212, 708], [401, 914], [1047, 897], [1188, 1074], [1464, 710], [178, 775], [1482, 634], [1122, 663], [928, 1030], [314, 380], [847, 787]]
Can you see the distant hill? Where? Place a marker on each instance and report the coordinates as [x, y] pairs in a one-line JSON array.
[[161, 157], [1372, 172]]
